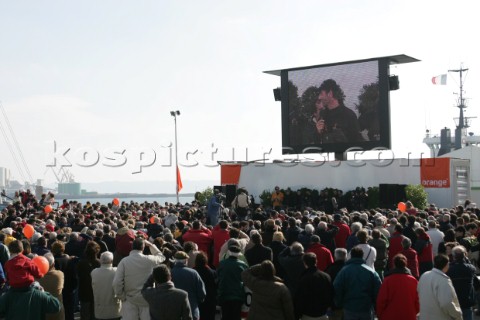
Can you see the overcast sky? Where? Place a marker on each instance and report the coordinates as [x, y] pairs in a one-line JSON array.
[[103, 76]]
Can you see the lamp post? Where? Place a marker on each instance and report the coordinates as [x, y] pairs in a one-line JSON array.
[[174, 114]]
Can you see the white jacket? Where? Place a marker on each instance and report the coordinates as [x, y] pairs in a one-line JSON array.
[[106, 305], [132, 272], [438, 300]]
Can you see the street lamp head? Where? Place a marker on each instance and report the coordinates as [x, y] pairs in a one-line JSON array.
[[174, 113], [178, 112]]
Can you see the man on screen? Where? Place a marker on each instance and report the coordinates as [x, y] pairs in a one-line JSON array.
[[336, 122]]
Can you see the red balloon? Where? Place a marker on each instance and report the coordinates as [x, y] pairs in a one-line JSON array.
[[42, 264], [402, 206], [48, 208], [116, 201], [28, 231]]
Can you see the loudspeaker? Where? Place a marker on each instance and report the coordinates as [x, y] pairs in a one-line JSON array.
[[391, 194], [393, 83], [383, 200], [230, 193], [277, 94], [219, 188]]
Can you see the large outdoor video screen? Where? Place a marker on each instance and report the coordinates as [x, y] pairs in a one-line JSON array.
[[333, 108]]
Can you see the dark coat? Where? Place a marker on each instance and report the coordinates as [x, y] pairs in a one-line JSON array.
[[293, 267], [27, 303], [461, 273], [328, 237], [84, 268], [166, 302], [271, 300], [291, 234], [257, 254], [314, 294], [277, 247], [208, 306]]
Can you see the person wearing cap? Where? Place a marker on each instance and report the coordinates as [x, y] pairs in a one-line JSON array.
[[53, 283], [8, 232], [231, 294], [240, 238], [165, 300], [188, 279], [131, 274]]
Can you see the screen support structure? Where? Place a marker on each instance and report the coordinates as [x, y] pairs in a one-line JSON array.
[[340, 156]]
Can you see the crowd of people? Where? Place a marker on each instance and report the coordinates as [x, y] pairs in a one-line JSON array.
[[127, 260]]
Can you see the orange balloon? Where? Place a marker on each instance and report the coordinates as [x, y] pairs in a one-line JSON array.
[[116, 201], [28, 231], [152, 220], [48, 208], [402, 206], [42, 264]]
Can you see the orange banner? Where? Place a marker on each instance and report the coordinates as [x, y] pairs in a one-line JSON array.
[[435, 172], [230, 174]]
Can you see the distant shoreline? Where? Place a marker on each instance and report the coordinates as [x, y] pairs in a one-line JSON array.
[[123, 195]]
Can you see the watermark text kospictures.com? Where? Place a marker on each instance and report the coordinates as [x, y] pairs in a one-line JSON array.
[[137, 159]]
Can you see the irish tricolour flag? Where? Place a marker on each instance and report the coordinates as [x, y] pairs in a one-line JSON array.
[[441, 79]]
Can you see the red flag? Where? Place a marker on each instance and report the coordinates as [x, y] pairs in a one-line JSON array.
[[179, 181]]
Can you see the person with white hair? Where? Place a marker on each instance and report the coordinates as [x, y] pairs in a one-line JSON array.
[[189, 280], [327, 233], [107, 306], [436, 236], [52, 282], [462, 274], [306, 235], [352, 239], [291, 260]]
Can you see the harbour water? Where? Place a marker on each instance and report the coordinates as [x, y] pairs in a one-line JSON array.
[[161, 200]]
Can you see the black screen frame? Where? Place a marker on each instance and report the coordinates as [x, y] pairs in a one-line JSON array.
[[384, 115]]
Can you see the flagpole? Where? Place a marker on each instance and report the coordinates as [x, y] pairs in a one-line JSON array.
[[174, 114]]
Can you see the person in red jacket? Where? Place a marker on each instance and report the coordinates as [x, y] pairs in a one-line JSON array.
[[412, 257], [200, 235], [21, 271], [324, 256], [343, 231], [220, 235], [424, 249], [123, 242], [398, 297], [395, 244]]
